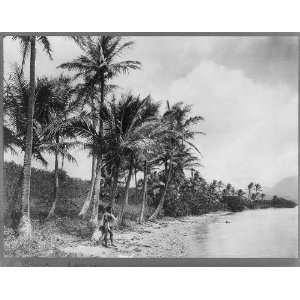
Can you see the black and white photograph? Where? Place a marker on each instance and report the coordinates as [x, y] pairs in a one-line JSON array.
[[150, 146]]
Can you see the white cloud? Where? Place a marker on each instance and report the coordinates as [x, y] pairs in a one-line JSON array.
[[251, 128], [244, 87]]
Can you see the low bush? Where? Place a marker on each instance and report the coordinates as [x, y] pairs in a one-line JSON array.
[[280, 202]]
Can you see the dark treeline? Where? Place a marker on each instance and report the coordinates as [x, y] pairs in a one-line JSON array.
[[126, 136], [194, 196]]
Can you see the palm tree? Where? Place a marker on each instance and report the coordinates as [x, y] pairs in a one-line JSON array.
[[150, 157], [219, 187], [184, 160], [250, 187], [240, 193], [16, 97], [88, 96], [257, 188], [228, 189], [16, 102], [224, 192], [262, 197], [55, 103], [10, 139], [129, 133], [29, 42], [97, 66], [83, 126], [180, 133], [232, 191]]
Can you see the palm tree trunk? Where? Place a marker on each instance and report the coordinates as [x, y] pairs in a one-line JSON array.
[[88, 199], [162, 199], [114, 188], [144, 199], [125, 201], [94, 217], [96, 198], [136, 186], [25, 224], [126, 197], [94, 220], [56, 182], [62, 162]]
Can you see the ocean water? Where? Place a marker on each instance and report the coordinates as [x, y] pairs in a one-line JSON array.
[[271, 232]]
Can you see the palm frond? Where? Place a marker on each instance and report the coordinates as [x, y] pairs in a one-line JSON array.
[[25, 47], [44, 41]]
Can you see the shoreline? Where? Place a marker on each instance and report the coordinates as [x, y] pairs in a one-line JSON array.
[[167, 237], [62, 237]]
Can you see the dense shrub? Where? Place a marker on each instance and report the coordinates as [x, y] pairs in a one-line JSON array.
[[175, 207], [234, 203], [71, 195], [192, 199], [281, 202]]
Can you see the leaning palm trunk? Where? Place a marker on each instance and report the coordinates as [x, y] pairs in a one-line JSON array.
[[88, 199], [144, 199], [125, 201], [25, 224], [162, 199]]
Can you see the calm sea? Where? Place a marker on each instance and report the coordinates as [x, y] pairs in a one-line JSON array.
[[269, 232]]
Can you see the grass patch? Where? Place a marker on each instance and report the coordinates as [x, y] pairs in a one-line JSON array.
[[46, 237]]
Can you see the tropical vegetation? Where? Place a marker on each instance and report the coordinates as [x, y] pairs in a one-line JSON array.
[[143, 152]]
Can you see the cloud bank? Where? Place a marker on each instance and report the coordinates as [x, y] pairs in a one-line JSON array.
[[244, 87]]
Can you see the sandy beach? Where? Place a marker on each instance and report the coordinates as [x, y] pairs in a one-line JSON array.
[[167, 237], [217, 234]]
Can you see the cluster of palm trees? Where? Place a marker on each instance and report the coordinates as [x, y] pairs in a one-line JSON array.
[[123, 134], [255, 192], [220, 189]]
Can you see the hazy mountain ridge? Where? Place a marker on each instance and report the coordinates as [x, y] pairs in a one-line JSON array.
[[287, 188]]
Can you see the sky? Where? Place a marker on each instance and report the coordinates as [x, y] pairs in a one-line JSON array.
[[246, 88]]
